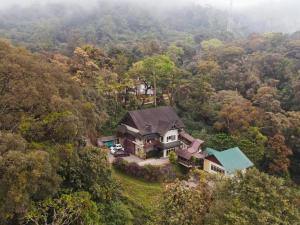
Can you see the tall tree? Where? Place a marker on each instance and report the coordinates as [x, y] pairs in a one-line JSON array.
[[156, 71], [88, 170], [237, 114], [24, 178], [278, 154]]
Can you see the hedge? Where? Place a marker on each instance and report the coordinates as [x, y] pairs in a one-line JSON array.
[[148, 172]]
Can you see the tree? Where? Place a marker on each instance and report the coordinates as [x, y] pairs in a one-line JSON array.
[[24, 178], [278, 155], [209, 67], [266, 98], [154, 71], [194, 97], [175, 53], [53, 106], [274, 123], [221, 141], [230, 54], [293, 131], [69, 209], [237, 114], [253, 143], [183, 205], [254, 198], [211, 44], [89, 170], [11, 141]]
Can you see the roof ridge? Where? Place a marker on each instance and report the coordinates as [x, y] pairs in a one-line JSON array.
[[146, 109]]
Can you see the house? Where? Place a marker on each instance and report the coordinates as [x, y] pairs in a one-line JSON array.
[[153, 132], [156, 132], [142, 89], [226, 162]]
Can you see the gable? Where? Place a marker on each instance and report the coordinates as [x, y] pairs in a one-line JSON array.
[[127, 120]]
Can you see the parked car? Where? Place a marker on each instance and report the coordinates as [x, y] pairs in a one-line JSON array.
[[120, 154], [115, 148]]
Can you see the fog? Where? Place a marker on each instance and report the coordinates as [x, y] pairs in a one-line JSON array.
[[262, 15], [238, 4]]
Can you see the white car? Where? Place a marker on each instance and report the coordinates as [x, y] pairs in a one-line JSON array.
[[115, 148]]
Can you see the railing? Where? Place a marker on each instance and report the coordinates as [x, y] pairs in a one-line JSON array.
[[185, 163], [189, 164]]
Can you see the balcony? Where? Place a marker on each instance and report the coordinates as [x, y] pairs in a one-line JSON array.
[[190, 163], [169, 145]]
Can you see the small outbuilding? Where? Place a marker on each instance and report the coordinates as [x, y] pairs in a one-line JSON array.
[[226, 162]]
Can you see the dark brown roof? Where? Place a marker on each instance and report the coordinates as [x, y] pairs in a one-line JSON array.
[[183, 134], [155, 120], [195, 146], [183, 153]]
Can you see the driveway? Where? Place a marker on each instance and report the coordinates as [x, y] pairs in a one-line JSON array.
[[130, 159], [154, 162], [141, 162]]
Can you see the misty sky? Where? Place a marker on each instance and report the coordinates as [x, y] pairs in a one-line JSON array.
[[271, 15], [238, 4]]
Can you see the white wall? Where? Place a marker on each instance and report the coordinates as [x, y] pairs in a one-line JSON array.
[[170, 133]]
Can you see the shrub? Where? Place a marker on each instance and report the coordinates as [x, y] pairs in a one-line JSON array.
[[173, 157]]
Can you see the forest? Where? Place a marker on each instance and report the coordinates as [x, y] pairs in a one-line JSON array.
[[68, 75]]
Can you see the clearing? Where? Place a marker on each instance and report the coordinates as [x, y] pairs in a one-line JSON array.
[[141, 192]]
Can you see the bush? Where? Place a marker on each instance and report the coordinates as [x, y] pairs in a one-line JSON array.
[[173, 157], [148, 172]]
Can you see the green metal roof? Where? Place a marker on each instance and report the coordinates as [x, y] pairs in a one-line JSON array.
[[232, 159]]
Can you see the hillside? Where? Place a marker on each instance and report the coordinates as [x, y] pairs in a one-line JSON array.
[[69, 74], [59, 26]]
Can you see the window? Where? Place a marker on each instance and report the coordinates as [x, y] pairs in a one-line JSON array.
[[171, 138], [216, 169]]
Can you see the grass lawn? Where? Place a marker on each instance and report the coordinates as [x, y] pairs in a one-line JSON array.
[[140, 192]]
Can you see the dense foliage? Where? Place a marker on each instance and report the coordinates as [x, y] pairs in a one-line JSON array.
[[60, 26], [250, 198], [254, 198], [229, 91]]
